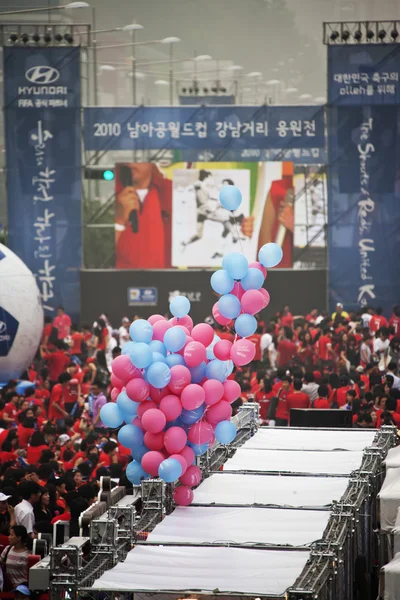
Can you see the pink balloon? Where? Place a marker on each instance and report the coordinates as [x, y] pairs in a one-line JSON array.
[[144, 407], [183, 495], [192, 396], [181, 461], [137, 389], [180, 378], [238, 290], [203, 333], [201, 432], [194, 354], [220, 319], [138, 423], [243, 352], [266, 297], [252, 302], [154, 441], [157, 395], [115, 382], [154, 420], [115, 392], [222, 350], [171, 407], [259, 266], [232, 390], [175, 439], [222, 411], [214, 391], [151, 461], [186, 321], [159, 329], [192, 476], [154, 318], [188, 455], [123, 368]]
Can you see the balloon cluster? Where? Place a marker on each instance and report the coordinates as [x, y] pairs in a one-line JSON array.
[[242, 295], [172, 393]]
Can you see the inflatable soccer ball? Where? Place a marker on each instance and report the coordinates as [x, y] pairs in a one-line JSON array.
[[21, 316]]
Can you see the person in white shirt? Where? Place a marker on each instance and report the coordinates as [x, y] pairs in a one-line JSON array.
[[30, 492], [366, 317], [123, 332], [391, 370], [381, 348], [310, 387]]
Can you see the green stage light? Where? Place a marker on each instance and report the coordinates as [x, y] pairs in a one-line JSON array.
[[108, 175]]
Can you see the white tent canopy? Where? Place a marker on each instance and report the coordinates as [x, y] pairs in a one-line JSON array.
[[389, 498], [327, 463], [392, 460], [231, 489], [169, 568], [392, 579], [241, 526], [271, 438]]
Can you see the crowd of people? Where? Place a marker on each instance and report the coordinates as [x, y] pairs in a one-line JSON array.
[[54, 446]]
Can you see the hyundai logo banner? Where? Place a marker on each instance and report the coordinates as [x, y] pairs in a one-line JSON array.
[[42, 104]]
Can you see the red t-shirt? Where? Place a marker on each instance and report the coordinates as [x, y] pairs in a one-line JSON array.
[[57, 396], [102, 340], [282, 411], [47, 329], [63, 325], [287, 351], [105, 459], [297, 400], [376, 323], [264, 400], [323, 343], [57, 362], [340, 395], [77, 339], [321, 403], [287, 320], [10, 411], [255, 338], [395, 323], [226, 335], [24, 435]]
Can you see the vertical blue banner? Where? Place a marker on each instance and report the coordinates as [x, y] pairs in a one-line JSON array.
[[42, 104], [364, 189]]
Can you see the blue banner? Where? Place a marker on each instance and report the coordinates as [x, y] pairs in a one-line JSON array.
[[364, 74], [43, 156], [364, 202], [298, 156], [211, 128], [208, 100]]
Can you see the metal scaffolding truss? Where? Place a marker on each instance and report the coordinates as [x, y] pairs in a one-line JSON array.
[[345, 33]]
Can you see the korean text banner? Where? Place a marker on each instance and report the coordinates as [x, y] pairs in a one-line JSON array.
[[364, 205], [212, 128], [364, 74], [42, 118]]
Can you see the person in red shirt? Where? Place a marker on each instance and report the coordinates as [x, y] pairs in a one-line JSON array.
[[26, 427], [57, 410], [325, 350], [256, 339], [47, 329], [287, 318], [10, 411], [377, 321], [108, 454], [297, 398], [56, 361], [312, 315], [144, 193], [282, 412], [36, 446], [101, 335], [263, 397], [287, 350], [62, 323], [76, 343], [394, 322], [338, 397], [322, 400], [306, 350]]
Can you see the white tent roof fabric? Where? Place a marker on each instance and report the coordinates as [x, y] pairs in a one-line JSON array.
[[170, 568], [230, 488], [389, 498], [392, 579], [327, 463], [241, 526], [270, 438], [392, 460]]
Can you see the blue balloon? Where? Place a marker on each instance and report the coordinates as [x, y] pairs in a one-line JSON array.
[[230, 197], [141, 331], [174, 339], [245, 325], [139, 452], [225, 432], [158, 357], [253, 280], [158, 375], [236, 264], [135, 473], [216, 369], [175, 359], [210, 349], [126, 405], [190, 417], [179, 306], [170, 470], [128, 417], [131, 436], [141, 355], [22, 386], [198, 449], [198, 373], [229, 366], [111, 415], [222, 282], [270, 255], [157, 346], [128, 347], [229, 306]]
